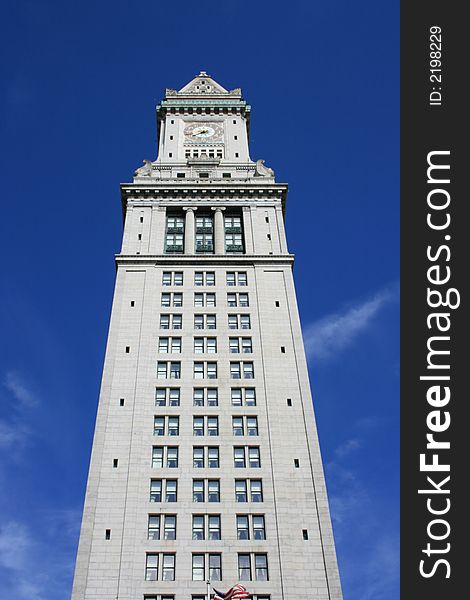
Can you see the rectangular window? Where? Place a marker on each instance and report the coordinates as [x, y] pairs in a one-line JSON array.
[[241, 490], [243, 531], [215, 567], [214, 527], [198, 490], [171, 490], [256, 490], [168, 571], [198, 527], [155, 490], [261, 567], [259, 531], [239, 461], [151, 567], [198, 397], [245, 322], [177, 321], [169, 530], [213, 494], [244, 567], [232, 322], [198, 567], [237, 426], [172, 457], [164, 321], [154, 527], [254, 460]]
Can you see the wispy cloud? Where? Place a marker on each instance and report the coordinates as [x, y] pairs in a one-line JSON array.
[[20, 390], [331, 334], [48, 544], [367, 542]]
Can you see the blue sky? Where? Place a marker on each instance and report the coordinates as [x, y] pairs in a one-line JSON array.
[[79, 83]]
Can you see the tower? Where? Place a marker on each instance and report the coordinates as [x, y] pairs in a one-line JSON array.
[[205, 461]]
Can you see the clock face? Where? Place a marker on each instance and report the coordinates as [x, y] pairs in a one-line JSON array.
[[203, 131]]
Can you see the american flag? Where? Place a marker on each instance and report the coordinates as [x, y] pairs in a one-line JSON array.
[[237, 591]]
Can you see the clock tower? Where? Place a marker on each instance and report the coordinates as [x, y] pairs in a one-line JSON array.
[[205, 464]]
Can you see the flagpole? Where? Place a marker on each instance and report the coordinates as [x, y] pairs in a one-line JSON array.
[[208, 589]]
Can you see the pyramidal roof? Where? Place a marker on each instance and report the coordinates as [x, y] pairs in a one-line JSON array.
[[203, 86]]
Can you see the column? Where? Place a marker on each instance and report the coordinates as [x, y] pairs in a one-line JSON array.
[[249, 216], [189, 231], [219, 230]]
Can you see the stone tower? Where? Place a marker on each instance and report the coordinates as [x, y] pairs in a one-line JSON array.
[[205, 461]]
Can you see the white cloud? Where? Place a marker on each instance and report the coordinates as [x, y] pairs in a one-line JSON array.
[[330, 335], [36, 558], [20, 390], [11, 434]]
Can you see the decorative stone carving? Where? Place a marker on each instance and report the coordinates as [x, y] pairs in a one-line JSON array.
[[145, 170], [262, 171]]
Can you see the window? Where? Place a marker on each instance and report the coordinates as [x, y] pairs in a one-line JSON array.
[[236, 278], [246, 455], [259, 531], [213, 457], [305, 534], [239, 459], [198, 527], [254, 457], [198, 567], [237, 299], [240, 344], [238, 369], [169, 528], [198, 490], [202, 396], [154, 527], [244, 567], [172, 278], [214, 564], [237, 426], [213, 490], [256, 490], [232, 322], [206, 456], [242, 425], [171, 299], [205, 370], [204, 322], [204, 243], [168, 369], [167, 396], [169, 345], [171, 490], [241, 490], [151, 567], [168, 571], [174, 237], [261, 567], [214, 527], [166, 426], [260, 562], [243, 531], [205, 425], [245, 322], [215, 567], [171, 321], [205, 345], [165, 456], [243, 396], [204, 278], [204, 299]]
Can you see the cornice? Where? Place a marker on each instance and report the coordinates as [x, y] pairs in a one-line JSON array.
[[204, 259], [244, 193]]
